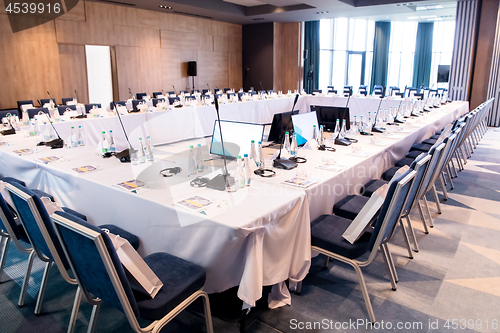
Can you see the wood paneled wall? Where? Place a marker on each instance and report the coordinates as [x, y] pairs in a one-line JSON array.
[[152, 50], [287, 56]]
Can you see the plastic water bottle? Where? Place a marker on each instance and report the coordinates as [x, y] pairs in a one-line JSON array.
[[386, 119], [112, 144], [260, 156], [80, 137], [343, 130], [46, 132], [336, 131], [149, 149], [361, 125], [369, 124], [354, 128], [105, 142], [321, 138], [315, 133], [294, 147], [200, 164], [73, 138], [141, 157], [247, 172], [253, 152], [32, 129], [286, 142], [239, 177], [192, 162]]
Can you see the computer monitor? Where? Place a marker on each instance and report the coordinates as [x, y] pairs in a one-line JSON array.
[[282, 122], [237, 137], [303, 126], [328, 115]]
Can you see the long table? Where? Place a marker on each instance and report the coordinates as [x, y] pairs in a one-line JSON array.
[[187, 123], [254, 237]]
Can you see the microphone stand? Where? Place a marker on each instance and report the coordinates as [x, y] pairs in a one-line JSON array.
[[223, 181], [130, 93], [175, 92], [285, 163], [124, 155], [375, 128], [343, 141], [396, 119], [56, 143], [76, 95]]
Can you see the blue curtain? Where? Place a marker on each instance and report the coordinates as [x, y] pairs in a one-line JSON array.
[[311, 64], [423, 55], [380, 64]]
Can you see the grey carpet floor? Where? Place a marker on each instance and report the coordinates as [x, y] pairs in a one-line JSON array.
[[451, 285]]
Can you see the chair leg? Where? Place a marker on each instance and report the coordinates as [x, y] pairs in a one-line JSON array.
[[364, 291], [431, 222], [325, 263], [412, 233], [388, 267], [426, 231], [436, 198], [443, 186], [450, 176], [208, 314], [26, 279], [406, 239], [5, 249], [43, 286], [298, 289], [74, 312], [391, 262], [93, 318]]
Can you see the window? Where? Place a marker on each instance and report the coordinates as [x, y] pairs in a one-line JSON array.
[[346, 53], [401, 54], [442, 49]]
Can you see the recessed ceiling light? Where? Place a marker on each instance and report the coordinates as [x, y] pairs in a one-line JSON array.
[[435, 19], [413, 17], [429, 7], [428, 16], [166, 7]]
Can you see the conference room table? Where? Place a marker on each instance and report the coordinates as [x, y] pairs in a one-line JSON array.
[[254, 237], [177, 124]]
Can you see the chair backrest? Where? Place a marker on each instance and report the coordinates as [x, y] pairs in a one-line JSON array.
[[204, 91], [27, 102], [89, 107], [317, 91], [13, 112], [262, 91], [191, 97], [332, 91], [157, 100], [33, 112], [348, 90], [226, 90], [420, 166], [66, 100], [391, 210], [252, 92], [8, 225], [39, 229], [171, 100], [170, 93], [62, 109], [156, 94], [94, 262], [240, 94], [44, 101], [184, 91], [441, 162], [378, 87], [419, 95], [140, 95], [122, 103]]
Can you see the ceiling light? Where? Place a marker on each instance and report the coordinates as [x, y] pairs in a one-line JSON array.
[[434, 7], [428, 16], [166, 7], [435, 19], [421, 8], [413, 17]]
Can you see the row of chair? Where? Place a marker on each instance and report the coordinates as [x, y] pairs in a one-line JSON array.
[[74, 245], [379, 91], [429, 162]]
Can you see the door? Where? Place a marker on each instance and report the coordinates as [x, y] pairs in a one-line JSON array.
[[355, 75]]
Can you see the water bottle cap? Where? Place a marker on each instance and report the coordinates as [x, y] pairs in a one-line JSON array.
[[79, 126], [102, 131], [260, 142], [110, 131], [148, 137], [245, 155], [314, 125], [45, 123], [191, 146], [72, 127], [239, 157], [199, 144], [286, 132], [253, 141], [140, 139]]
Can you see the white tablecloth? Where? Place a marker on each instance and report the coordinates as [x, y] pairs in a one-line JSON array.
[[257, 236]]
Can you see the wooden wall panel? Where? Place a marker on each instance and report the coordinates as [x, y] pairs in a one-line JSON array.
[[152, 51], [73, 71], [287, 60]]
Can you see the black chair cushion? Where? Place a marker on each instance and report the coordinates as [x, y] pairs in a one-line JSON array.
[[13, 180], [437, 136], [438, 133], [390, 173], [131, 238], [41, 194], [180, 279], [413, 154], [404, 161], [430, 141], [350, 206], [421, 147], [372, 186], [326, 233], [74, 213]]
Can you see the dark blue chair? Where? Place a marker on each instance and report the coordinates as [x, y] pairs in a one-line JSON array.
[[393, 89], [270, 92], [317, 91], [172, 100], [66, 100], [140, 95], [135, 103], [64, 108], [122, 103], [252, 92], [330, 88], [41, 235], [419, 95], [156, 94], [13, 112], [170, 93], [240, 94], [378, 88], [195, 91], [33, 112], [190, 98], [89, 107], [332, 91], [157, 100], [184, 91], [102, 279], [347, 90], [27, 102], [262, 91], [44, 101], [204, 91], [327, 230], [226, 90], [409, 90]]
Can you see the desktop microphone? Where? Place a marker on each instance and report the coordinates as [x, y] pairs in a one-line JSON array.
[[222, 181], [124, 155], [261, 86], [10, 130], [48, 93], [375, 128], [76, 95], [285, 163], [130, 93], [56, 143], [396, 119], [344, 141], [209, 90], [175, 92]]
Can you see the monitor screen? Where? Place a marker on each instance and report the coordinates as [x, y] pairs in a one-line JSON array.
[[303, 126], [328, 115], [282, 122], [237, 137]]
